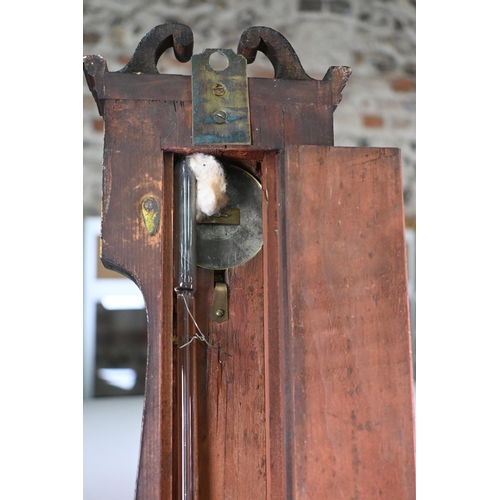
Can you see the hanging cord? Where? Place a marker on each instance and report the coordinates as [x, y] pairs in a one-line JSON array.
[[199, 334]]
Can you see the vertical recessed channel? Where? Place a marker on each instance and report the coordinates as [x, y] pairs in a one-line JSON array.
[[185, 285]]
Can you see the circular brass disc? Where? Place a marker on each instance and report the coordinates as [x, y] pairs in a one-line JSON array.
[[224, 246]]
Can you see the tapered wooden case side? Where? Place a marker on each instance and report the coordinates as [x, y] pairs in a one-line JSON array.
[[136, 169]]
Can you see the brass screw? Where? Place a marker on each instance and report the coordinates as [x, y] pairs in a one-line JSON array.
[[218, 89], [220, 116], [148, 205], [220, 312]]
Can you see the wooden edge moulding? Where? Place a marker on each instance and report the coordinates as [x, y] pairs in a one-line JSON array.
[[283, 370]]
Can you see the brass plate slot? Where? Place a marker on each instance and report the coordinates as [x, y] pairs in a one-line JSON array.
[[228, 217]]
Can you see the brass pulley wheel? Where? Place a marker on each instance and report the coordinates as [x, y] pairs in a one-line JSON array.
[[223, 241]]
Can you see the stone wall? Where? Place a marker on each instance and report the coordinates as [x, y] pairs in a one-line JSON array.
[[376, 38]]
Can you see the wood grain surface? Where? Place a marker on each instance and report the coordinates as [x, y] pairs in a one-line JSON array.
[[135, 168], [348, 382], [315, 400]]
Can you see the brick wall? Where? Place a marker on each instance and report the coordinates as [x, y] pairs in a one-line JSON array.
[[376, 38]]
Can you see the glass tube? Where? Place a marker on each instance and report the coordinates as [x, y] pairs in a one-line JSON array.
[[185, 227], [185, 285]]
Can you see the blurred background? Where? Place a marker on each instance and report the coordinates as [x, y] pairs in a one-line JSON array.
[[376, 38]]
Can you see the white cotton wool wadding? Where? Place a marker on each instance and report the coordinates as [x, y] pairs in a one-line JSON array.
[[210, 184]]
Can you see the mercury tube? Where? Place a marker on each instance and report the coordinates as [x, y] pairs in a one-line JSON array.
[[184, 286]]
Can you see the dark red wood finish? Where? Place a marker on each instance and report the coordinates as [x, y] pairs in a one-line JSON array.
[[315, 400], [346, 336], [135, 168]]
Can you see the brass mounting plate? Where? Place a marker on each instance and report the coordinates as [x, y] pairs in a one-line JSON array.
[[221, 113]]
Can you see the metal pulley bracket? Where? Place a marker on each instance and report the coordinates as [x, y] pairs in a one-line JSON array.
[[219, 310], [221, 113]]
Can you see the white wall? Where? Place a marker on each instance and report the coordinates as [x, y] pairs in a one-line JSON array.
[[111, 432]]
